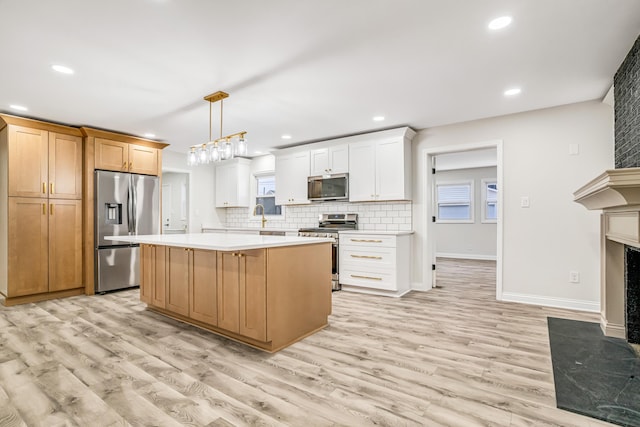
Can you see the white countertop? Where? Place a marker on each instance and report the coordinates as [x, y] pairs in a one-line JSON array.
[[220, 242]]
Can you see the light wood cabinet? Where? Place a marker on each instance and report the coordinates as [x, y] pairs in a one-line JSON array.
[[292, 171], [125, 157], [41, 184], [203, 297], [380, 170], [267, 298], [65, 166], [28, 266], [242, 290], [232, 183], [330, 160], [152, 275], [44, 164], [178, 265], [65, 244]]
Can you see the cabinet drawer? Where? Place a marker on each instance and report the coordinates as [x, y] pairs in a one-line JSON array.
[[367, 257], [368, 279], [370, 240]]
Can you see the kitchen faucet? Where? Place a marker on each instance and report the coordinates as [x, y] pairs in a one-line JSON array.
[[264, 220]]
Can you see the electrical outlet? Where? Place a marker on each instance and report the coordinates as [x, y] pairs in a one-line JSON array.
[[574, 277]]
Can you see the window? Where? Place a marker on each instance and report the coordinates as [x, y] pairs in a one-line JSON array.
[[489, 200], [455, 202], [266, 195]]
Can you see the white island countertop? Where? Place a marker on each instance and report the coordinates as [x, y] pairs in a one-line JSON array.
[[220, 242]]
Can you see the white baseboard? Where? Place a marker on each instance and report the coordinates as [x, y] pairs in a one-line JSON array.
[[612, 329], [419, 286], [571, 304], [467, 256]]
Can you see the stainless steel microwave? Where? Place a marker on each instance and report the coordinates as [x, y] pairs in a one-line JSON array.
[[328, 187]]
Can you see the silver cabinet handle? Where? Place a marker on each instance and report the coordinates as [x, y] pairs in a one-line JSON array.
[[366, 240]]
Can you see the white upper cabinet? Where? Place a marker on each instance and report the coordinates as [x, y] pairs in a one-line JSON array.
[[330, 160], [292, 171], [232, 183], [380, 170]]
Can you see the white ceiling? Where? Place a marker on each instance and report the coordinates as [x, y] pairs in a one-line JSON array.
[[312, 69]]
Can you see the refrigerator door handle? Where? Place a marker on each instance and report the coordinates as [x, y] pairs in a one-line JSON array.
[[129, 209], [135, 209]]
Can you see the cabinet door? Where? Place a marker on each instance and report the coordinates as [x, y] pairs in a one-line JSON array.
[[28, 262], [362, 175], [147, 272], [203, 304], [158, 285], [253, 294], [229, 291], [339, 159], [223, 179], [143, 160], [178, 280], [111, 155], [232, 184], [65, 166], [28, 161], [319, 160], [65, 244], [391, 170], [292, 172]]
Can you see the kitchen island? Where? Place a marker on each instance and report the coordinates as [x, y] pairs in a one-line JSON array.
[[265, 291]]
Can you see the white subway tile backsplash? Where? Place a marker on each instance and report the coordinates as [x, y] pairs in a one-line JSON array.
[[371, 215]]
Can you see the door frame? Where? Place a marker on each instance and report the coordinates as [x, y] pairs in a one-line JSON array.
[[190, 198], [430, 243]]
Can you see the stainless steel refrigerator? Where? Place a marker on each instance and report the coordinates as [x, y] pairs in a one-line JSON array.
[[126, 204]]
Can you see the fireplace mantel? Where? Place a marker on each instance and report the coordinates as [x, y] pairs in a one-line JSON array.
[[611, 189], [617, 193]]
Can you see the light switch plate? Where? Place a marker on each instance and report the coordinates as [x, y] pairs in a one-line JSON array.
[[524, 202]]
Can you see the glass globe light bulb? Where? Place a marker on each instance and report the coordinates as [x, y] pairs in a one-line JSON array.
[[241, 147]]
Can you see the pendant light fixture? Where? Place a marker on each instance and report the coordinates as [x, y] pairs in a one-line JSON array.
[[222, 148]]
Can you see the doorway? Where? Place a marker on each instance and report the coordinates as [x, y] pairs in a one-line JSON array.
[[175, 201], [470, 153]]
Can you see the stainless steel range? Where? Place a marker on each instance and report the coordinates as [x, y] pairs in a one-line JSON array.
[[328, 226]]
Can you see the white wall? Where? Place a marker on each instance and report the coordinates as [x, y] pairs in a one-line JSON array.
[[555, 235], [202, 210], [476, 240]]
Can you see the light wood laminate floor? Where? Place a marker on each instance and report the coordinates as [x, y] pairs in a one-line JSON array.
[[452, 356]]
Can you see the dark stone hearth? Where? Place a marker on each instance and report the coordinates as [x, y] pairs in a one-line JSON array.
[[594, 375], [626, 90], [632, 293]]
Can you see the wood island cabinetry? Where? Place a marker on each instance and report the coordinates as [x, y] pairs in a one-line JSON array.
[[41, 218], [266, 297]]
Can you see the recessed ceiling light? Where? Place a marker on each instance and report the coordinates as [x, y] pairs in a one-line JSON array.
[[62, 69], [257, 152], [286, 136], [500, 23], [512, 92], [149, 135], [378, 118], [18, 107]]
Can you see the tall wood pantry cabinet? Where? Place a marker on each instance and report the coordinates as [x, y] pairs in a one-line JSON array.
[[41, 210]]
